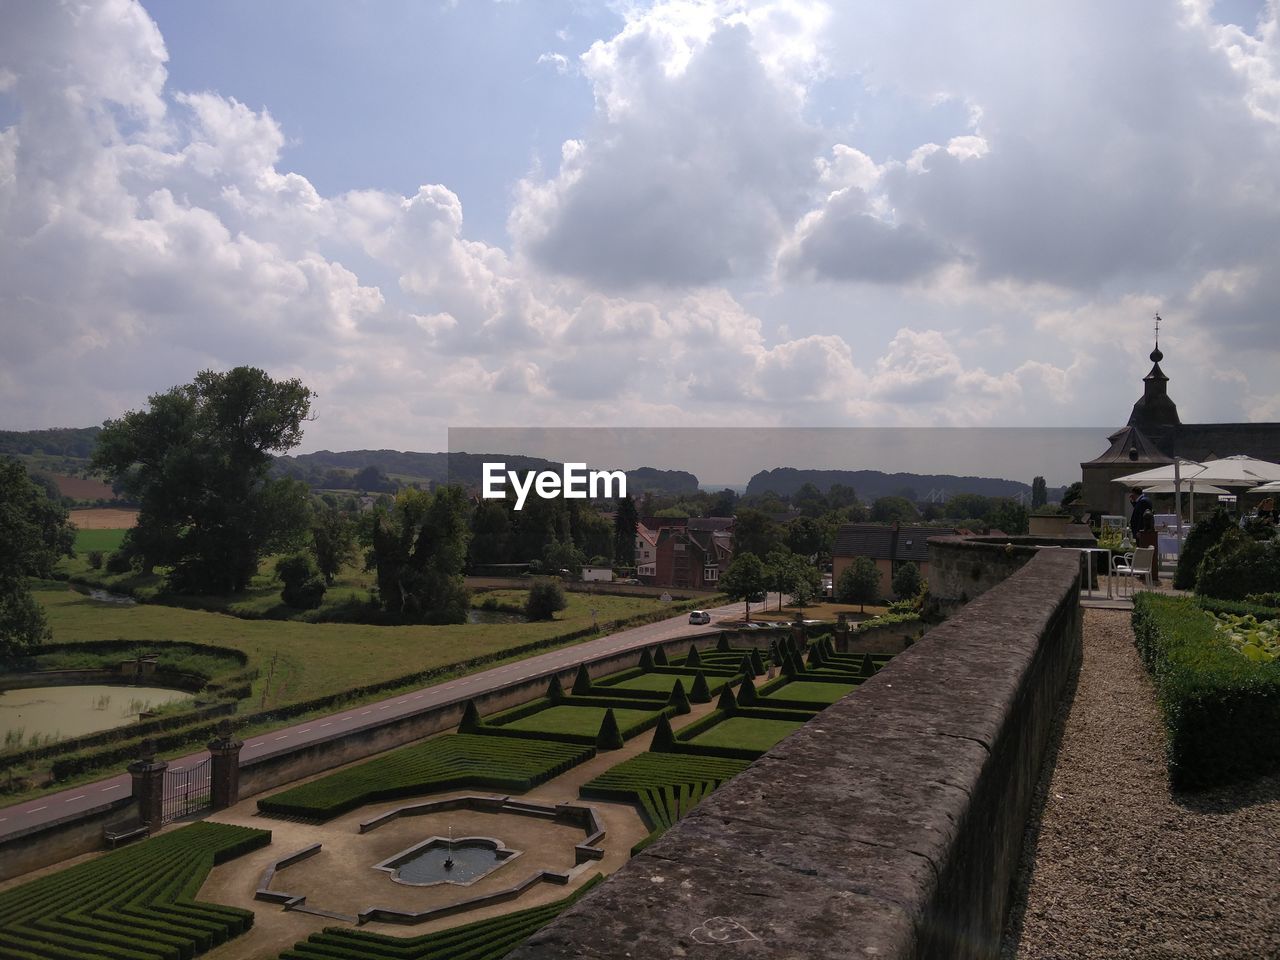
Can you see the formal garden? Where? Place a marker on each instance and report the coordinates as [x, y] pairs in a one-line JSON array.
[[710, 713]]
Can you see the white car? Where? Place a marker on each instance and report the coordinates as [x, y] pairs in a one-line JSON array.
[[699, 617]]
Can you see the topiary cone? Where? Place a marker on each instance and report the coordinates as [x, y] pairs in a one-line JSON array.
[[646, 659], [700, 693], [815, 657], [722, 645], [471, 721], [663, 737], [679, 699], [582, 682], [757, 662], [868, 666], [745, 667], [609, 737], [747, 693], [693, 659], [555, 691], [660, 657], [727, 703]]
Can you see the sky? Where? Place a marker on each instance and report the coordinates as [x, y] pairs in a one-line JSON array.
[[562, 213]]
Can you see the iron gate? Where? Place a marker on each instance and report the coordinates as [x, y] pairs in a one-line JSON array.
[[186, 791]]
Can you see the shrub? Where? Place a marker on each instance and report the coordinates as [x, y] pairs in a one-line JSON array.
[[95, 559], [859, 583], [700, 693], [545, 598], [119, 562], [609, 737], [304, 587], [1201, 537], [1238, 565], [679, 699], [1270, 599], [1221, 710]]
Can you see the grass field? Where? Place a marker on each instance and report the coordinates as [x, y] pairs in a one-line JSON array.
[[105, 541], [660, 683], [816, 693], [746, 732], [314, 659], [583, 720]]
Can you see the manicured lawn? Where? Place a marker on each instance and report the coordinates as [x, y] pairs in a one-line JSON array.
[[811, 692], [746, 732], [585, 720], [660, 683], [106, 541], [313, 659]]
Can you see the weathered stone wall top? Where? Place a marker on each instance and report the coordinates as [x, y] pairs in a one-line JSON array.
[[888, 826]]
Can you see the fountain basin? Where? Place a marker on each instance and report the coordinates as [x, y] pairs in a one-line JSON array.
[[470, 858]]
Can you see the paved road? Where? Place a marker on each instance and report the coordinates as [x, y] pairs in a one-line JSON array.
[[55, 806]]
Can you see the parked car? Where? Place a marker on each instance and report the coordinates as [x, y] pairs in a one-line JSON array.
[[756, 598], [699, 617], [630, 582]]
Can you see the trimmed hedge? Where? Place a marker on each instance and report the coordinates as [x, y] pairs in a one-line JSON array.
[[1221, 710], [665, 786], [481, 940], [134, 904], [452, 762]]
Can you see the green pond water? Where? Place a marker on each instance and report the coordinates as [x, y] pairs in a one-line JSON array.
[[74, 710]]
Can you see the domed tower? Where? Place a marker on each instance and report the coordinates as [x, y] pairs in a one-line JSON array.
[[1155, 412]]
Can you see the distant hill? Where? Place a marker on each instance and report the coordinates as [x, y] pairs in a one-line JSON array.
[[74, 442], [464, 468], [871, 484]]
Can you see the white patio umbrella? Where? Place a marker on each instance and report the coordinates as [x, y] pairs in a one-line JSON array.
[[1238, 471], [1271, 487], [1193, 486], [1181, 471]]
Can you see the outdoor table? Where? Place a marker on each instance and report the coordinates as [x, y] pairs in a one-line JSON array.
[[1086, 586]]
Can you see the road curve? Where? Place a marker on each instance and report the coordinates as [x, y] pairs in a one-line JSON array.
[[55, 806]]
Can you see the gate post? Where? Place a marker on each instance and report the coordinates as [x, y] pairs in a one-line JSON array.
[[224, 775], [842, 633], [148, 784]]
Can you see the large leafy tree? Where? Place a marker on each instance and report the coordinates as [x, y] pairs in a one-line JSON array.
[[197, 461], [754, 531], [625, 520], [746, 577], [418, 549], [894, 509], [859, 583], [333, 541], [33, 534]]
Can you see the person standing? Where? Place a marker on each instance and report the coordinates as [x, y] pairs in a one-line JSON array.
[[1141, 511]]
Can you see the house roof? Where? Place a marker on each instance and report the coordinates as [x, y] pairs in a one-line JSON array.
[[702, 524], [1130, 445], [885, 542]]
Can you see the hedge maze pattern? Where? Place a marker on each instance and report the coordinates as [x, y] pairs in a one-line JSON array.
[[482, 940], [445, 763], [135, 904]]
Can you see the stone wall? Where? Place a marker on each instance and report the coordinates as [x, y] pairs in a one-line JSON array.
[[62, 839], [887, 827], [963, 568]]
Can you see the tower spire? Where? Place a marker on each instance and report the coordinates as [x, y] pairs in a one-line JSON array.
[[1156, 355]]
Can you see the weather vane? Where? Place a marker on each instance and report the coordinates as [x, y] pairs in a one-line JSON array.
[[1157, 328]]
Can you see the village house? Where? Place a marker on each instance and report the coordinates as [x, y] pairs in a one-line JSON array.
[[889, 545]]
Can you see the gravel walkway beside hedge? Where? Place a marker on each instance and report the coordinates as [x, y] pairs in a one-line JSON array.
[[1116, 867]]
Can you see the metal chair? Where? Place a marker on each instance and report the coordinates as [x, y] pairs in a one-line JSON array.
[[1140, 563]]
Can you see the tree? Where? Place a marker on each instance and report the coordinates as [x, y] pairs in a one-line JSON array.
[[304, 587], [34, 534], [333, 541], [907, 581], [491, 537], [546, 597], [722, 504], [789, 573], [563, 556], [1072, 495], [969, 506], [745, 578], [1009, 516], [755, 533], [1039, 493], [809, 537], [418, 549], [594, 535], [893, 510], [372, 479], [624, 532], [859, 583], [810, 501], [196, 461]]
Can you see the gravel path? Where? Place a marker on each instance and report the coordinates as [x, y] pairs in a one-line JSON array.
[[1116, 866]]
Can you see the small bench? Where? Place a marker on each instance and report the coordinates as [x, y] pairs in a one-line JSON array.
[[124, 832]]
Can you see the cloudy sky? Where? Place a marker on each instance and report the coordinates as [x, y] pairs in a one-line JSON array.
[[571, 213]]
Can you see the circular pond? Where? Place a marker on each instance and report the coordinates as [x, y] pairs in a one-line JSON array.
[[72, 711], [440, 860]]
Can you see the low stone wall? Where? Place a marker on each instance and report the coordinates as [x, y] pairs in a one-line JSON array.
[[962, 568], [887, 638], [591, 586], [888, 827], [58, 840]]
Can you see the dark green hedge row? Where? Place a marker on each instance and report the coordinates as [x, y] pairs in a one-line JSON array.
[[666, 786], [1221, 710], [481, 940], [451, 762], [489, 728], [1240, 607], [130, 647], [134, 904]]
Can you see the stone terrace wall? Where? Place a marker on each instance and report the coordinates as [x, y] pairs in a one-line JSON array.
[[962, 568], [887, 827]]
